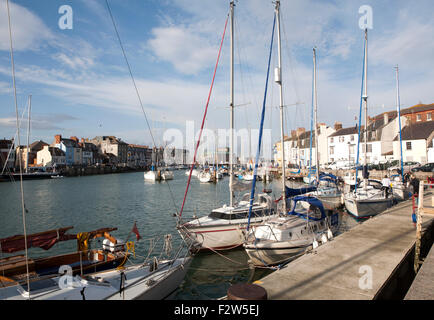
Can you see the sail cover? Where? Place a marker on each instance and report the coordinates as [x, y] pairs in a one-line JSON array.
[[44, 240], [291, 192], [313, 202]]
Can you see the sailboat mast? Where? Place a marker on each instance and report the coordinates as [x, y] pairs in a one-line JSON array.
[[315, 115], [28, 134], [365, 101], [398, 110], [278, 80], [231, 142]]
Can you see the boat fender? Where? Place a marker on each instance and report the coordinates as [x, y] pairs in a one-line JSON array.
[[154, 265], [324, 238], [315, 244], [329, 234]]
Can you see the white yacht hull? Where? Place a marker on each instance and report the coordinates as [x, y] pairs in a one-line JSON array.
[[218, 237], [151, 176], [158, 175], [274, 252], [366, 208], [140, 284]]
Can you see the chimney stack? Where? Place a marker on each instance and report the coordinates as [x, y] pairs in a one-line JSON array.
[[300, 131], [386, 118], [338, 126], [57, 138]]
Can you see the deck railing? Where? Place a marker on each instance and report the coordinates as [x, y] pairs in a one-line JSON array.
[[422, 211]]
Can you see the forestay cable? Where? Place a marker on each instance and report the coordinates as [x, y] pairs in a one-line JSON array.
[[203, 120], [255, 172]]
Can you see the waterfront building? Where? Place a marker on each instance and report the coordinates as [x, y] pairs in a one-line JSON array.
[[138, 156], [304, 149], [382, 130], [28, 156], [89, 152], [173, 156], [416, 141], [431, 151], [51, 157], [287, 141], [73, 151], [419, 113], [7, 148], [114, 146], [342, 145]]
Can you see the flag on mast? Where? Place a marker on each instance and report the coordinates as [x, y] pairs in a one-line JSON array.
[[136, 231]]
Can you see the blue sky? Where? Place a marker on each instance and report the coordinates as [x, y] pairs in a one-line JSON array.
[[80, 84]]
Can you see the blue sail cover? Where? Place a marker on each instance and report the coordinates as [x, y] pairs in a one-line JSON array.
[[311, 200], [291, 192], [326, 177]]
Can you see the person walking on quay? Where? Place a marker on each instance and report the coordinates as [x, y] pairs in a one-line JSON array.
[[414, 182], [386, 185]]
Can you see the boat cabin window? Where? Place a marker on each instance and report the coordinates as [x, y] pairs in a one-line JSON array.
[[242, 214]]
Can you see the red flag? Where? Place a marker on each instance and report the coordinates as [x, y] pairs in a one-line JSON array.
[[136, 231]]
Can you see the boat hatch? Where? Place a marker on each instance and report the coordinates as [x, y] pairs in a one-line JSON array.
[[38, 286], [96, 281]]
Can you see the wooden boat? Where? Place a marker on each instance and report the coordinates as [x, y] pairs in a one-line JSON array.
[[13, 269]]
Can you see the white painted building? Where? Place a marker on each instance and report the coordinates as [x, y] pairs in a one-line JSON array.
[[342, 145], [431, 151], [51, 157], [416, 139]]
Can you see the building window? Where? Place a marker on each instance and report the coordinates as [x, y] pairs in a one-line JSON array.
[[331, 140], [332, 150], [409, 145], [418, 117], [352, 137], [341, 139], [428, 116]]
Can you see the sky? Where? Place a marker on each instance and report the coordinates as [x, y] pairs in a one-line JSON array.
[[81, 86]]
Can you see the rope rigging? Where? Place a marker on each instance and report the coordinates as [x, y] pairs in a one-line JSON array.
[[136, 89], [19, 143], [203, 120]]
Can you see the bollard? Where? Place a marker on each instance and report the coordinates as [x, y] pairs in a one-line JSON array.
[[245, 291]]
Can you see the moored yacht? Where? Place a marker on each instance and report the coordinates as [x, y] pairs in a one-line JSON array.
[[368, 199], [284, 238], [221, 229]]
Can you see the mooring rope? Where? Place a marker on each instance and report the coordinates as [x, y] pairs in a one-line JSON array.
[[19, 143]]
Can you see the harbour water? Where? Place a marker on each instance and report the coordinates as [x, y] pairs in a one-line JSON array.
[[118, 200]]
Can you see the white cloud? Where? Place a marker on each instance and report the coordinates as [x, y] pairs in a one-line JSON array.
[[189, 52], [28, 31], [74, 62], [5, 87]]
